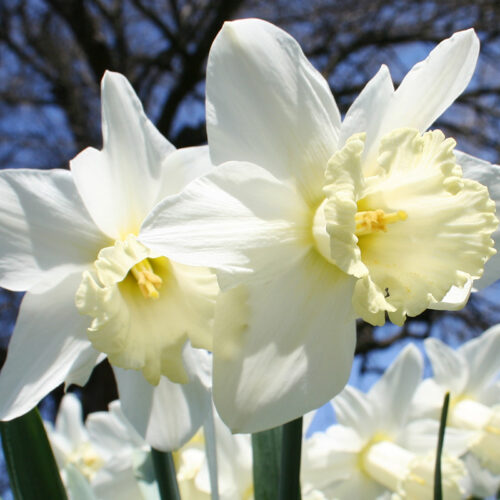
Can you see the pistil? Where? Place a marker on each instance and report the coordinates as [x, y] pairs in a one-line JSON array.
[[371, 221], [149, 283]]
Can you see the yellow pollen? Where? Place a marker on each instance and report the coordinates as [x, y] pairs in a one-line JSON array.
[[370, 221], [149, 282]]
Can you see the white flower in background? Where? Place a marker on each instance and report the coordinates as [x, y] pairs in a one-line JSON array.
[[309, 221], [234, 464], [375, 449], [104, 459], [469, 374], [72, 237]]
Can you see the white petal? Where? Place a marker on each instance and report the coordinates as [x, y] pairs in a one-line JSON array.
[[69, 421], [112, 433], [167, 415], [484, 484], [455, 298], [239, 219], [371, 102], [354, 409], [181, 167], [428, 400], [266, 104], [82, 366], [45, 230], [431, 86], [330, 457], [49, 336], [78, 485], [449, 367], [488, 175], [393, 392], [284, 347], [482, 355], [119, 185], [420, 437], [116, 479]]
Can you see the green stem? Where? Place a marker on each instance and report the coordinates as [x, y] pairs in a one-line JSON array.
[[438, 490], [266, 448], [166, 478], [291, 449]]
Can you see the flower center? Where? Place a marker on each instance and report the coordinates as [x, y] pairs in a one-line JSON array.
[[444, 242], [86, 460], [149, 283], [411, 476], [485, 443], [371, 221]]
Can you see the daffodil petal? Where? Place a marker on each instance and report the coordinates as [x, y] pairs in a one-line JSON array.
[[42, 217], [181, 167], [488, 175], [449, 367], [284, 347], [420, 436], [167, 415], [482, 355], [239, 219], [329, 457], [371, 102], [267, 105], [111, 431], [455, 298], [393, 392], [429, 88], [48, 337], [132, 156], [354, 410], [69, 420]]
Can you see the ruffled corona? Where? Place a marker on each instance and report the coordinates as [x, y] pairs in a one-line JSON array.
[[485, 442], [411, 476], [410, 231], [129, 296]]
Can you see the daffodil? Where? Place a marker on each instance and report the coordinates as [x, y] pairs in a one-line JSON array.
[[71, 239], [234, 465], [310, 222], [376, 449], [102, 459], [469, 374]]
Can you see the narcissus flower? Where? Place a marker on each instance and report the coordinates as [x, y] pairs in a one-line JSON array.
[[469, 374], [234, 465], [72, 240], [376, 449], [310, 222], [102, 459]]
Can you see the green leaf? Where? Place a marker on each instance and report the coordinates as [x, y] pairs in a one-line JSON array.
[[166, 477], [291, 449], [438, 491], [32, 469], [266, 448]]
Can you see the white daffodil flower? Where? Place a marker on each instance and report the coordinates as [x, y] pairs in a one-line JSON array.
[[103, 459], [375, 449], [234, 465], [309, 222], [72, 238], [468, 373]]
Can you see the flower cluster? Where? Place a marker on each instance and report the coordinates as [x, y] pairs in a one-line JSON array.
[[385, 441], [238, 270]]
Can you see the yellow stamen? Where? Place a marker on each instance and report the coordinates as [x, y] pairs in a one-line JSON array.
[[371, 221], [149, 282]]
